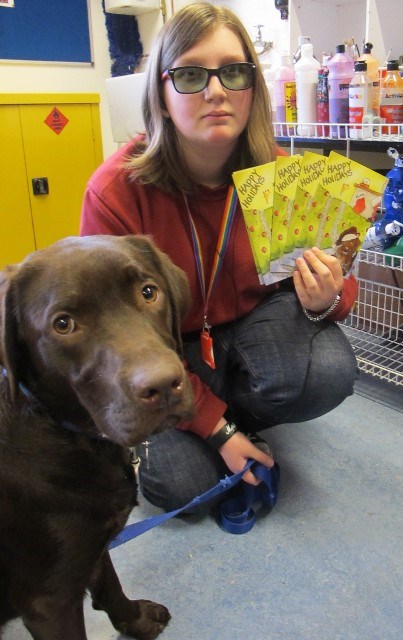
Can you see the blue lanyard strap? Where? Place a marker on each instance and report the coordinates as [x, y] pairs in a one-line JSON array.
[[236, 514]]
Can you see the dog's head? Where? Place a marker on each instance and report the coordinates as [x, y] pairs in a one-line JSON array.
[[91, 326]]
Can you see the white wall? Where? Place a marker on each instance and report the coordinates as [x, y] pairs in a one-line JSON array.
[[328, 22], [262, 12], [54, 78], [384, 28]]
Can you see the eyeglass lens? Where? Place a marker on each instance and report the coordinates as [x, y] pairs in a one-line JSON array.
[[235, 77]]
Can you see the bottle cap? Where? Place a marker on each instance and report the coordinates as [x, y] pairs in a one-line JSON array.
[[307, 50], [368, 47], [341, 48], [393, 65], [360, 65]]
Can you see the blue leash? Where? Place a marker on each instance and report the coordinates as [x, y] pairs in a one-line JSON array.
[[236, 514]]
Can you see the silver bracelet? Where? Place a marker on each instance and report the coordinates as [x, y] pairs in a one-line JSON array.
[[323, 315]]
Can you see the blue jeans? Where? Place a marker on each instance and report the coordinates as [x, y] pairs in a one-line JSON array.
[[272, 367]]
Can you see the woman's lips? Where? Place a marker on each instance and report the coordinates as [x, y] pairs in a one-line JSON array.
[[217, 114]]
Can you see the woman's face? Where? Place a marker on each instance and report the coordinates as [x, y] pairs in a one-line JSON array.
[[215, 116]]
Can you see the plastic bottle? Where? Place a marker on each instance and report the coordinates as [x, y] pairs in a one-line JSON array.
[[382, 235], [323, 96], [359, 96], [341, 71], [391, 97], [285, 92], [268, 75], [393, 194], [306, 80], [352, 49], [373, 77]]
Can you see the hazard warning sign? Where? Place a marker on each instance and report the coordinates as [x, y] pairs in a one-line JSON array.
[[56, 120]]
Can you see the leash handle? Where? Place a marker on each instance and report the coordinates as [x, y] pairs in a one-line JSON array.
[[237, 515]]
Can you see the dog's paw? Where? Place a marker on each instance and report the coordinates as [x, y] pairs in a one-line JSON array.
[[149, 619]]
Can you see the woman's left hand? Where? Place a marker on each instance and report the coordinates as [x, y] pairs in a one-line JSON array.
[[318, 279]]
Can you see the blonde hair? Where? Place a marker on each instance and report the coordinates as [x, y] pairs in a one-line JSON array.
[[158, 159]]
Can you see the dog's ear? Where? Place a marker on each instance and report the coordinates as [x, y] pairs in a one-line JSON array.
[[8, 328], [176, 279]]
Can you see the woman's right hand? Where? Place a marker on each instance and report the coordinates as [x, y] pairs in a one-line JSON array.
[[237, 450]]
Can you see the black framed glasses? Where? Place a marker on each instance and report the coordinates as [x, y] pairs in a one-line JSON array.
[[237, 76]]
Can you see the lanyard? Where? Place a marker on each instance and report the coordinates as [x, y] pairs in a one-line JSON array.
[[226, 223]]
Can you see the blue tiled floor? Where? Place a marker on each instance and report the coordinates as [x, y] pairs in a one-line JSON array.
[[326, 564]]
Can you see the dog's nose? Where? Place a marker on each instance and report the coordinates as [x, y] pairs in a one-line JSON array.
[[161, 388]]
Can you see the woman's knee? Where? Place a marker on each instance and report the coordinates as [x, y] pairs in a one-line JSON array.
[[330, 376], [310, 380], [332, 359], [177, 467]]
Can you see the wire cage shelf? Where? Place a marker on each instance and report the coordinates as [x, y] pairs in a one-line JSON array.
[[375, 325], [367, 131]]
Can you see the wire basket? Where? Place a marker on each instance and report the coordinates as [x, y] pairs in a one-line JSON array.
[[375, 325]]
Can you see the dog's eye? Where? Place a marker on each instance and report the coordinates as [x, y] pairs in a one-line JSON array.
[[150, 292], [64, 324]]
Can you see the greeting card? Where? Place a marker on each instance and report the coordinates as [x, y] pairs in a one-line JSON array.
[[297, 202]]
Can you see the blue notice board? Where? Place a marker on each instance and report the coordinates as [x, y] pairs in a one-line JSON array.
[[46, 31]]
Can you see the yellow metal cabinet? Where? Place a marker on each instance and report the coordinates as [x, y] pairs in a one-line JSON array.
[[49, 147]]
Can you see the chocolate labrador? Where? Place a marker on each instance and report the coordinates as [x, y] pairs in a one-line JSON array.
[[90, 366]]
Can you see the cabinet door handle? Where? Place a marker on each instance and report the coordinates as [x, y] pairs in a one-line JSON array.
[[40, 186]]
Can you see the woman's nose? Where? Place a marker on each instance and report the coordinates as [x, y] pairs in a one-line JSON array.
[[214, 89]]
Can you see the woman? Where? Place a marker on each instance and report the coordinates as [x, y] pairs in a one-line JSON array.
[[258, 356]]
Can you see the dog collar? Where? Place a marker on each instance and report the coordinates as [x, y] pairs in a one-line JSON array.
[[66, 424]]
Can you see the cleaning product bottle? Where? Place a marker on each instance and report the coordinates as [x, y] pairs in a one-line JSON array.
[[306, 80], [285, 95], [323, 96], [393, 194], [373, 77], [341, 71], [391, 97], [359, 96], [382, 235]]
